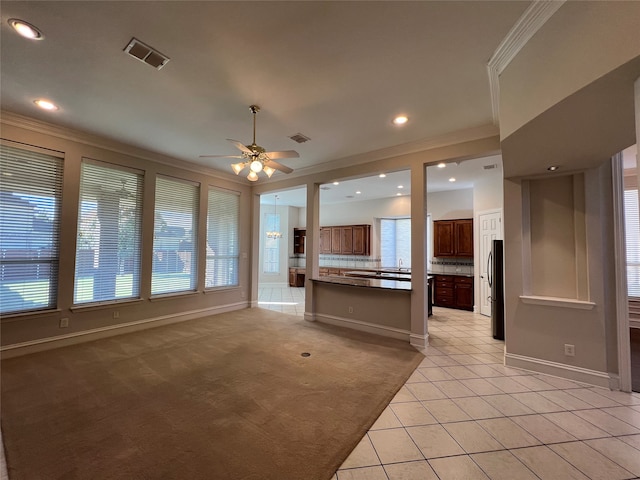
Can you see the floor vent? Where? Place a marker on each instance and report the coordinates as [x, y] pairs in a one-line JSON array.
[[146, 54], [300, 138]]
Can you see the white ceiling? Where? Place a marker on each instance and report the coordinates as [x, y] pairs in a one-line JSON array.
[[373, 187], [337, 72]]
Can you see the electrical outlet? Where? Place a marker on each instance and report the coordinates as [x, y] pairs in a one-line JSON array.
[[116, 314], [64, 323], [243, 294], [350, 309], [569, 350]]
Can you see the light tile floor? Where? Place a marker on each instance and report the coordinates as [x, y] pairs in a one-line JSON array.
[[464, 415], [282, 299]]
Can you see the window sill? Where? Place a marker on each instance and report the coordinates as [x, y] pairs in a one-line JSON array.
[[84, 307], [172, 296], [225, 288], [557, 302], [14, 317]]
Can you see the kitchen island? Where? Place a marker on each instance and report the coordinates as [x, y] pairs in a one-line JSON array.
[[375, 305]]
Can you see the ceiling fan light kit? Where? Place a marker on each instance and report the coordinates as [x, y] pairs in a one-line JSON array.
[[255, 157]]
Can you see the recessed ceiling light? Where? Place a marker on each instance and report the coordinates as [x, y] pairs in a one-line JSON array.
[[400, 120], [398, 194], [552, 168], [358, 192], [442, 165], [336, 183], [46, 104], [400, 186], [25, 29], [382, 175], [452, 179]]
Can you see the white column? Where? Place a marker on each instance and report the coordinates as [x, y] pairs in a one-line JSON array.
[[419, 256], [312, 247]]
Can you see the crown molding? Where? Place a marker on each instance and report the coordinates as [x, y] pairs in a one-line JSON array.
[[39, 126], [526, 27]]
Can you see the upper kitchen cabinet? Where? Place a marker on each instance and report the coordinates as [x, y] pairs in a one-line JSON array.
[[299, 237], [346, 240], [325, 239], [453, 238]]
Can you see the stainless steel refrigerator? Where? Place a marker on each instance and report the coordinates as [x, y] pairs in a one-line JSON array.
[[495, 271]]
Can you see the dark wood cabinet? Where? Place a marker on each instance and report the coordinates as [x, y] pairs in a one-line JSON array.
[[346, 240], [299, 237], [443, 233], [296, 277], [463, 293], [336, 234], [325, 240], [453, 291], [361, 239], [443, 291], [453, 238]]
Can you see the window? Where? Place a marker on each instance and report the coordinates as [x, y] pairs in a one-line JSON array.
[[271, 245], [395, 241], [174, 236], [632, 227], [222, 239], [30, 198], [109, 223]]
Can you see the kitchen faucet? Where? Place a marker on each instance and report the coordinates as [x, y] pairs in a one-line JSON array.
[[399, 264]]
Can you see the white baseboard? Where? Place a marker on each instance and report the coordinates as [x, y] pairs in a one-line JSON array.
[[569, 372], [364, 326], [419, 341], [309, 317], [17, 349]]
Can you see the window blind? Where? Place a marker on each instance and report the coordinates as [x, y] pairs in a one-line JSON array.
[[632, 234], [174, 236], [395, 241], [109, 233], [30, 200], [222, 238]]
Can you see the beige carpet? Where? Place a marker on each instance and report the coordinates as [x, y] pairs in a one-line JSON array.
[[223, 397]]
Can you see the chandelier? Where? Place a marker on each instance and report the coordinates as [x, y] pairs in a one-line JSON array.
[[273, 234]]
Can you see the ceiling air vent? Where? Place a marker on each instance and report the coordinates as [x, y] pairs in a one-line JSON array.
[[300, 138], [146, 54], [490, 167]]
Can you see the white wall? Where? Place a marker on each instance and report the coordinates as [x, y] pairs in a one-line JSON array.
[[450, 205]]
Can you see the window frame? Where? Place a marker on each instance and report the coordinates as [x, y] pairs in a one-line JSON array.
[[53, 289]]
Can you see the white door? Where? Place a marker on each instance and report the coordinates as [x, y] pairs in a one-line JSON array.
[[490, 228]]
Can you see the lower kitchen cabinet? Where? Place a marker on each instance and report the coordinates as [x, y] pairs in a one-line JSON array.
[[296, 277], [453, 291]]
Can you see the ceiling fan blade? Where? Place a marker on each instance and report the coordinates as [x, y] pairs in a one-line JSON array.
[[239, 145], [221, 156], [283, 154], [278, 166]]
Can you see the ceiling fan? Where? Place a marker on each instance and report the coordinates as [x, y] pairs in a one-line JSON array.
[[255, 157]]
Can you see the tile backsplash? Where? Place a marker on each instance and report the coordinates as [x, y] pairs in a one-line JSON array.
[[340, 261], [450, 265], [436, 265]]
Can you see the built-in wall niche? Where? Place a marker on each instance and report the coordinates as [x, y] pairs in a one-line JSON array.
[[554, 238]]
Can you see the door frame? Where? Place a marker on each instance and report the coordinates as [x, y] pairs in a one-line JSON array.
[[477, 260], [620, 253]]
